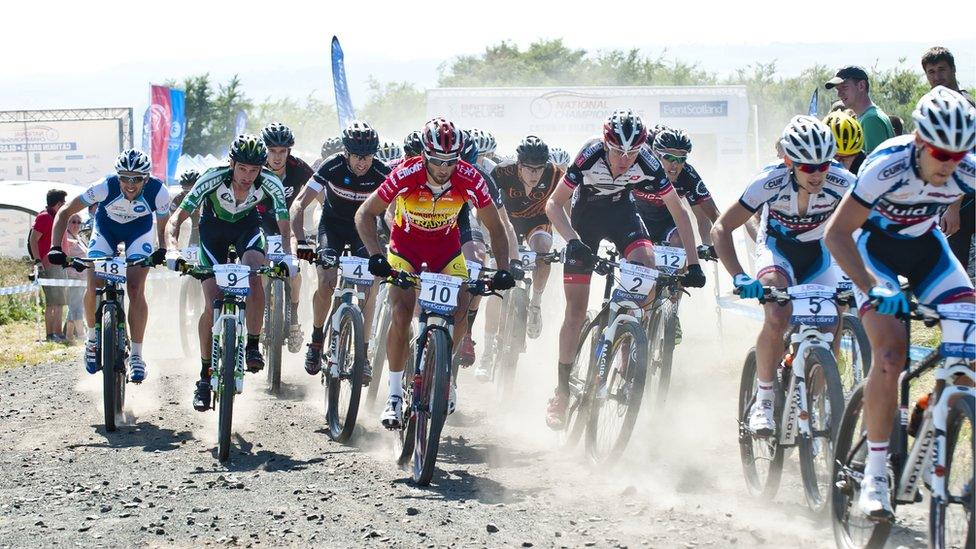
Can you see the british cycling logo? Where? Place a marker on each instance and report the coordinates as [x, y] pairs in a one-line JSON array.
[[893, 169]]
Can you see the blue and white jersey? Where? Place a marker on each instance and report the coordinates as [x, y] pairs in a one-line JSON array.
[[776, 188], [902, 205], [113, 206]]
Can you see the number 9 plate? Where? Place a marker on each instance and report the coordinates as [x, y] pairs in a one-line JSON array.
[[439, 292], [233, 278]]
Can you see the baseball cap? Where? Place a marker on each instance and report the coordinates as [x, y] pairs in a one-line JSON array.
[[852, 72]]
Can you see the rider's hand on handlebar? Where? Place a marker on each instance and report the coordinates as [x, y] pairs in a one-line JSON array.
[[288, 265], [305, 251], [502, 280], [158, 257], [748, 287], [379, 266], [707, 252], [517, 269], [57, 257], [694, 278], [888, 301]]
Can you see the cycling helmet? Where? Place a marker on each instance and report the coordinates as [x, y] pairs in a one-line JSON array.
[[249, 149], [807, 140], [943, 118], [133, 160], [189, 177], [624, 129], [277, 134], [413, 145], [360, 138], [672, 139], [559, 156], [658, 128], [440, 138], [388, 152], [331, 146], [469, 152], [488, 145], [532, 151], [847, 132]]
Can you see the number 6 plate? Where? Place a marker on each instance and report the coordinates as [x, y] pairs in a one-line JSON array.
[[112, 270], [439, 292], [635, 282], [355, 269], [233, 278], [528, 260]]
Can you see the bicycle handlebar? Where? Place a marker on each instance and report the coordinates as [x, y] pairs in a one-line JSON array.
[[405, 280], [81, 263], [203, 273]]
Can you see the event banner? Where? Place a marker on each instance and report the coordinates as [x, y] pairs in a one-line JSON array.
[[162, 117], [176, 134], [343, 101]]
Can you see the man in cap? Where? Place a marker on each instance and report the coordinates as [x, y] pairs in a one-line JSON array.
[[854, 90]]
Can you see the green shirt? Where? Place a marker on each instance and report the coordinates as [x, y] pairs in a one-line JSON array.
[[213, 191], [876, 126]]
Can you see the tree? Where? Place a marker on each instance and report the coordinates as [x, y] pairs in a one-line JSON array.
[[394, 108], [311, 120]]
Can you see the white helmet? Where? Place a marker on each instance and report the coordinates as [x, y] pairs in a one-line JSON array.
[[945, 119], [389, 151], [133, 160], [807, 140], [559, 156]]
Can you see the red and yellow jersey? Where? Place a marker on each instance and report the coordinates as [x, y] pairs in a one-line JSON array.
[[419, 211]]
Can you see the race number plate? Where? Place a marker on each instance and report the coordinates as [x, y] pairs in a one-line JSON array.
[[439, 292], [474, 269], [112, 270], [275, 251], [813, 304], [191, 255], [528, 260], [634, 283], [958, 336], [233, 278], [669, 260], [355, 269]]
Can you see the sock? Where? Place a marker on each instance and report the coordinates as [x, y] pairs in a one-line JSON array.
[[294, 313], [135, 349], [564, 371], [396, 383], [765, 390], [252, 341], [318, 334], [92, 334], [472, 314], [205, 369], [876, 463]]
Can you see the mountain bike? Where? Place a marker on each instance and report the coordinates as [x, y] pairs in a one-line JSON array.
[[277, 316], [190, 305], [382, 318], [854, 351]]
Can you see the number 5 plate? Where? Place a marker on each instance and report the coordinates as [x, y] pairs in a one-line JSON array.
[[355, 269], [669, 260], [439, 292], [112, 270], [635, 282], [813, 304], [233, 278]]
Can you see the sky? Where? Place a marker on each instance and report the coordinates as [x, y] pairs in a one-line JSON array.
[[60, 54]]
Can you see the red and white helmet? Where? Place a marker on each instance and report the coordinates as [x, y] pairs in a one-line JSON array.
[[625, 130], [441, 139]]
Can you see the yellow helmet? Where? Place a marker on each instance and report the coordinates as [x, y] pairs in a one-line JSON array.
[[847, 132]]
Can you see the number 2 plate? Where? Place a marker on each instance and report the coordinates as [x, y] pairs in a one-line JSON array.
[[355, 269], [439, 292], [669, 260], [813, 304], [112, 270], [233, 278], [635, 282], [275, 251]]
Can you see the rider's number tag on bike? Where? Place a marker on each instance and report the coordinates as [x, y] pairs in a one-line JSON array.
[[439, 292], [355, 269], [191, 255], [474, 269], [233, 278], [528, 260], [668, 259], [958, 335], [634, 283], [275, 251], [112, 270], [813, 304]]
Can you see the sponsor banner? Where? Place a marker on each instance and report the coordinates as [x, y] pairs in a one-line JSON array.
[[76, 152], [147, 129], [176, 127], [343, 101], [161, 119], [240, 123], [694, 109]]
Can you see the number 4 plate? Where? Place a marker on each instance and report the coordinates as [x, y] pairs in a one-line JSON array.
[[439, 292], [355, 269], [233, 278], [112, 270]]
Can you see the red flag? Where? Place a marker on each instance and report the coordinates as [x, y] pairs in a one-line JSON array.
[[162, 117]]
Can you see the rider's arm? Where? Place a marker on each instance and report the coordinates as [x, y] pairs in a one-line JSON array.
[[61, 219], [488, 216], [556, 210], [366, 217], [309, 193], [752, 226], [681, 220], [173, 228], [949, 223], [706, 212], [513, 240], [162, 215], [730, 220], [847, 218]]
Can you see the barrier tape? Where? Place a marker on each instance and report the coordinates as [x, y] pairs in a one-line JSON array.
[[71, 282]]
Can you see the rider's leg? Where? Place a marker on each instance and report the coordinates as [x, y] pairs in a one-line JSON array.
[[255, 300], [369, 307], [888, 348], [322, 301], [205, 326], [91, 302], [135, 284], [540, 242], [577, 291], [401, 309], [769, 343]]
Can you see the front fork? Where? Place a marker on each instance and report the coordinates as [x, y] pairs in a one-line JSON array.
[[427, 323], [796, 420], [221, 311], [604, 345]]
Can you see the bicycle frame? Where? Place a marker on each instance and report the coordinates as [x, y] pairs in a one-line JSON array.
[[227, 306], [796, 420], [342, 298]]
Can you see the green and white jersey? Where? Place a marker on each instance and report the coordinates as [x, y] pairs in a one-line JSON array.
[[213, 191]]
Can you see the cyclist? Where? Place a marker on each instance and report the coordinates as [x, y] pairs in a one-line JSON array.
[[187, 180], [330, 146], [559, 158], [229, 196], [429, 192], [797, 194], [293, 173], [901, 190], [849, 137], [599, 183], [127, 203], [345, 180], [389, 153]]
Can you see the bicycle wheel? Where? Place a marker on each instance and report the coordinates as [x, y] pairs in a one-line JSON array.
[[661, 339], [615, 407], [275, 332], [762, 457], [227, 388], [511, 343], [852, 529], [113, 373], [854, 357], [403, 442], [951, 519], [582, 380], [343, 390], [431, 411], [378, 344], [191, 307], [825, 403]]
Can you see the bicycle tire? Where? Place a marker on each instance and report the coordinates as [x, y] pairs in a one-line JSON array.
[[275, 332], [227, 388], [661, 355], [635, 374], [748, 443], [582, 388], [342, 423], [507, 352], [190, 304], [378, 343], [849, 455], [108, 356], [432, 411], [962, 410], [816, 480], [852, 327]]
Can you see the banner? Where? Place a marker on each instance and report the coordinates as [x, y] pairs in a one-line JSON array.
[[812, 110], [176, 131], [343, 102], [162, 115], [147, 129], [240, 123]]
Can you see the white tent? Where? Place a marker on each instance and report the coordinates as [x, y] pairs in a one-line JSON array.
[[20, 201]]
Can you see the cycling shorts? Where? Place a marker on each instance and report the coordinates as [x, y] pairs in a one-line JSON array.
[[217, 236], [594, 221], [440, 257], [269, 224], [661, 231], [136, 235], [469, 226], [335, 234], [798, 262], [525, 228]]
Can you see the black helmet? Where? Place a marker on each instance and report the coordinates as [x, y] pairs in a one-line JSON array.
[[672, 139], [469, 152], [189, 177], [532, 151], [360, 138], [413, 144], [331, 146], [277, 134], [249, 149]]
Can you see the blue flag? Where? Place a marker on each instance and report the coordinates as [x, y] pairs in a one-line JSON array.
[[343, 102], [812, 110], [177, 100], [240, 123], [147, 130]]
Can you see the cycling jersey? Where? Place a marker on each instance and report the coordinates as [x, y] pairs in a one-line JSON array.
[[344, 190], [120, 220], [650, 205], [471, 229], [297, 173], [213, 191], [526, 209], [902, 205], [589, 175]]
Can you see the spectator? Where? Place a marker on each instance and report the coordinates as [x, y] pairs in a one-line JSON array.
[[40, 243], [854, 89], [897, 125], [75, 244], [940, 70]]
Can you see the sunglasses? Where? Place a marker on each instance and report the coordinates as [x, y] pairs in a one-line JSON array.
[[813, 168], [673, 158], [74, 222], [943, 155], [132, 178], [439, 162], [530, 167], [623, 152]]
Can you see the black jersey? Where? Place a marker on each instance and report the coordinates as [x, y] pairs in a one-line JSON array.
[[589, 175], [688, 186], [345, 191]]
